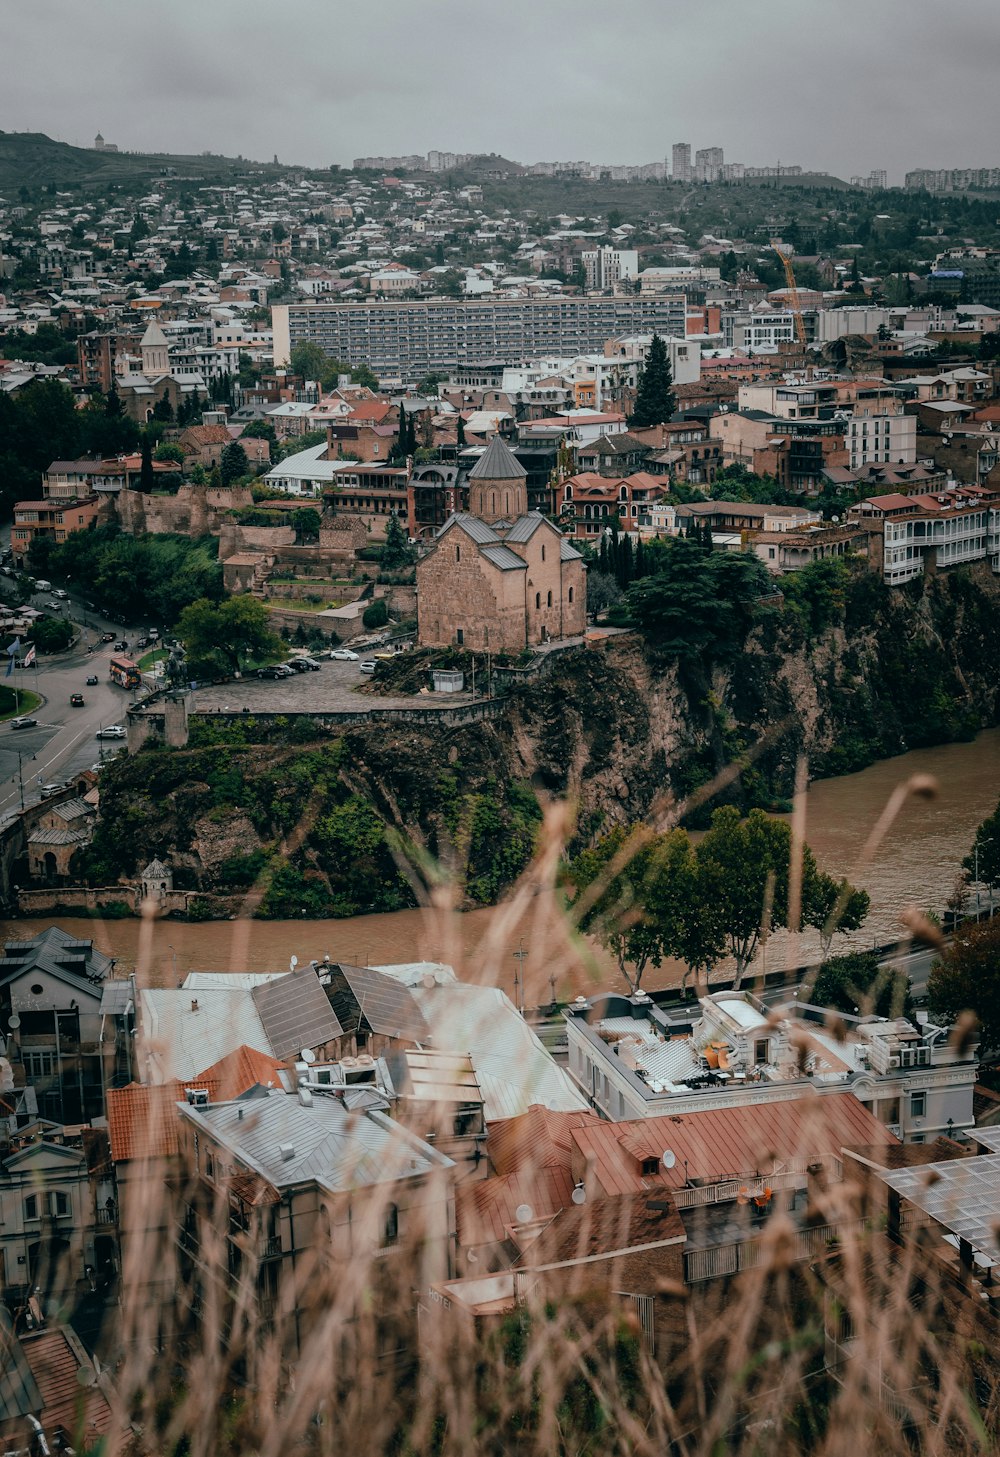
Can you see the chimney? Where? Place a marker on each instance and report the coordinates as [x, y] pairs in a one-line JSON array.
[[287, 1151], [194, 1004]]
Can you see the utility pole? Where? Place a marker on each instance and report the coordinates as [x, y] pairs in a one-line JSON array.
[[520, 956]]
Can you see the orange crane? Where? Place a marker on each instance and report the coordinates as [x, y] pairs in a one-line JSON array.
[[786, 263]]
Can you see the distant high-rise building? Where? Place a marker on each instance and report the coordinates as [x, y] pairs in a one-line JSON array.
[[681, 161], [604, 267], [708, 164]]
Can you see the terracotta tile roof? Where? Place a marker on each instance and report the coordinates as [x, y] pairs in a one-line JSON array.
[[239, 1071], [722, 1142], [82, 1412], [142, 1119]]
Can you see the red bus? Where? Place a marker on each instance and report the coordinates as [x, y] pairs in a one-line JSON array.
[[125, 673]]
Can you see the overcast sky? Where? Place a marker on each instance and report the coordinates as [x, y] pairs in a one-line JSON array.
[[841, 87]]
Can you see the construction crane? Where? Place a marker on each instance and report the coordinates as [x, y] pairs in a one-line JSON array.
[[786, 263]]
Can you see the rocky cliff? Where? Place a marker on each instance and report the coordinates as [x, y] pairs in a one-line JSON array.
[[319, 823]]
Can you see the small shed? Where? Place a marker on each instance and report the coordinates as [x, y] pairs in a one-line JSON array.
[[446, 681]]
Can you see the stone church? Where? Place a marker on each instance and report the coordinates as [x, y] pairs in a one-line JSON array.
[[499, 578]]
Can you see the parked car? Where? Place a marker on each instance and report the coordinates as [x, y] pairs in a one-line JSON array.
[[274, 670], [61, 594], [302, 665], [121, 646], [107, 637], [343, 655], [113, 731], [369, 666], [48, 790], [23, 722], [76, 700], [143, 642], [92, 681]]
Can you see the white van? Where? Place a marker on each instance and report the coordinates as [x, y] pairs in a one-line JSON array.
[[41, 585]]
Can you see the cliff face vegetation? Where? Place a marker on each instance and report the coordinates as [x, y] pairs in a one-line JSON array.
[[840, 667]]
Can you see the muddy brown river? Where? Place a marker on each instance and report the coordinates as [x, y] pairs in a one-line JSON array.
[[917, 864]]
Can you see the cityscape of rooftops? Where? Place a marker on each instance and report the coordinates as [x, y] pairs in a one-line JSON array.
[[500, 730]]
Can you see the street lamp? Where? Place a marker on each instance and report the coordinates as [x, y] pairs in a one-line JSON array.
[[975, 855]]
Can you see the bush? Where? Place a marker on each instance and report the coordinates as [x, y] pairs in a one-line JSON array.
[[377, 615]]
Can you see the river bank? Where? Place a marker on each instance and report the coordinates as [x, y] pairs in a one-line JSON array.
[[917, 864]]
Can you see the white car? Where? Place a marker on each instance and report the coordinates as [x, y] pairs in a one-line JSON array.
[[343, 655], [113, 731]]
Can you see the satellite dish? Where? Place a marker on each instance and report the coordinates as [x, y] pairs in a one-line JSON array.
[[472, 1257], [86, 1376], [13, 1022], [293, 963], [579, 1195], [668, 1159], [523, 1213], [308, 1056]]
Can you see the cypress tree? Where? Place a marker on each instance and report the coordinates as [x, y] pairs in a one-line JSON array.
[[654, 399], [146, 465]]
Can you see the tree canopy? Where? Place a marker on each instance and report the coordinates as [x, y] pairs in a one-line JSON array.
[[655, 401], [226, 634], [967, 979], [700, 604], [984, 857], [147, 578], [699, 903]]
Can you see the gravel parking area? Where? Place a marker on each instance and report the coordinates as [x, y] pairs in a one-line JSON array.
[[330, 690]]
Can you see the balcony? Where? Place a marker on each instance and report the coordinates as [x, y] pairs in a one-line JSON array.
[[721, 1261]]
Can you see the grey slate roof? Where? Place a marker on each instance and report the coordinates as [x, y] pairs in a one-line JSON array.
[[338, 1147], [78, 963], [504, 558], [72, 809], [19, 1393], [568, 553], [296, 1012], [497, 463]]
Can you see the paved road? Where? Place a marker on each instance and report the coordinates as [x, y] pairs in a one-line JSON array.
[[331, 690], [64, 741]]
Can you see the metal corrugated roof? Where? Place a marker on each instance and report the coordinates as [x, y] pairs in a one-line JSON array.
[[480, 531], [497, 463], [339, 1148], [504, 558], [719, 1143], [962, 1195], [569, 553], [296, 1012], [513, 1068], [183, 1034], [525, 526], [383, 1003]]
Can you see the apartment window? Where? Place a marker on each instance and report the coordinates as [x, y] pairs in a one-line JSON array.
[[31, 1207], [40, 1064], [460, 636], [548, 599], [390, 1230], [538, 599], [761, 1050], [918, 1105], [570, 595], [458, 553]]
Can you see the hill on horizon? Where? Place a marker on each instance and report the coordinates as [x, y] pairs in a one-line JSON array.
[[32, 159]]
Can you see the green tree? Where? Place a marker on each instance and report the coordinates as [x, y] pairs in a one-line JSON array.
[[264, 430], [228, 632], [749, 862], [396, 552], [52, 634], [460, 433], [169, 450], [984, 857], [654, 398], [377, 615], [362, 375], [967, 979], [834, 907], [146, 475], [233, 464], [857, 982], [163, 409], [306, 522]]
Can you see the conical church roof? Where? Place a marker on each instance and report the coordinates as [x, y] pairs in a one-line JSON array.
[[154, 336], [497, 463]]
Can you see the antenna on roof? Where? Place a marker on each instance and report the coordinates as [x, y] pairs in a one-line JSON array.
[[579, 1195], [308, 1056], [523, 1213], [668, 1158]]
